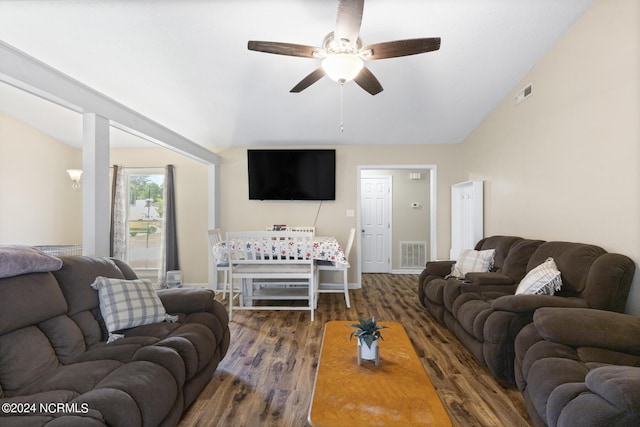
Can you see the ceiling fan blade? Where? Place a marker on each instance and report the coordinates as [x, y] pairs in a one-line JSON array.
[[348, 20], [367, 81], [313, 77], [398, 48], [280, 48]]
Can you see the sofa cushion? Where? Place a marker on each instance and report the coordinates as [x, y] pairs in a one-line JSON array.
[[502, 245], [543, 280], [18, 259], [515, 264], [29, 299], [488, 278], [65, 337], [151, 388], [574, 260], [25, 355], [471, 260], [128, 303], [619, 385], [75, 279], [122, 350], [78, 377], [550, 373], [471, 314]]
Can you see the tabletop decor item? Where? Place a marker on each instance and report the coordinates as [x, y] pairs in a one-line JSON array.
[[368, 333]]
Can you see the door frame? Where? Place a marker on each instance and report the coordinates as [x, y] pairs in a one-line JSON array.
[[433, 208]]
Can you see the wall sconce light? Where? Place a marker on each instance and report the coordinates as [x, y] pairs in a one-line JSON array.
[[75, 175]]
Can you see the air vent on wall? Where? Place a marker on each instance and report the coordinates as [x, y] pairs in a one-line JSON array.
[[524, 93], [413, 254]]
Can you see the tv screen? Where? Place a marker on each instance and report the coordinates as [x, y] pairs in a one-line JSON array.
[[292, 174]]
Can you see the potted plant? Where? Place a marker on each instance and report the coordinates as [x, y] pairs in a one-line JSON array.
[[368, 332]]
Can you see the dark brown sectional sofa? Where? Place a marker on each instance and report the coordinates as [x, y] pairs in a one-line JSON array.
[[56, 368], [485, 315]]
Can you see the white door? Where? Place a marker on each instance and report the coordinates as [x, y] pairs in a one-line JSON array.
[[375, 196]]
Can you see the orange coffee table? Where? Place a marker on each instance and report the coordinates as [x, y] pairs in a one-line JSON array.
[[396, 393]]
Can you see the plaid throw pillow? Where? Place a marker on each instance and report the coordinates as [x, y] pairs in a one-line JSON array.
[[472, 261], [543, 280], [128, 303]]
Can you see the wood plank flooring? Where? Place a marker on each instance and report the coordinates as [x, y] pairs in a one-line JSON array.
[[266, 378]]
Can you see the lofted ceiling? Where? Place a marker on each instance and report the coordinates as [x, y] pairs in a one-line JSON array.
[[185, 64]]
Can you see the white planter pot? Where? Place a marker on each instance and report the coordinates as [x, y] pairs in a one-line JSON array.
[[367, 353]]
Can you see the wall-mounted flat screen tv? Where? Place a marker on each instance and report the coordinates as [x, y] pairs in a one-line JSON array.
[[292, 174]]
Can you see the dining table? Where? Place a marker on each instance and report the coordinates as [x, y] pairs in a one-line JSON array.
[[325, 248]]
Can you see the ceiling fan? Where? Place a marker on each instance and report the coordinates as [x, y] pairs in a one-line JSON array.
[[342, 52]]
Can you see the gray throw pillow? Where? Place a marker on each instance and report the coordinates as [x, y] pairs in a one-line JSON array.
[[19, 259]]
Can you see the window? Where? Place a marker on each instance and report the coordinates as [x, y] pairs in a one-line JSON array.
[[144, 219]]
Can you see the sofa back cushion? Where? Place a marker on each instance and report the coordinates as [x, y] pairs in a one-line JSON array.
[[26, 302], [574, 260], [75, 279], [125, 268], [501, 244], [517, 259]]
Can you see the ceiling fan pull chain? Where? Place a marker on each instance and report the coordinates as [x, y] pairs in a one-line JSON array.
[[341, 107]]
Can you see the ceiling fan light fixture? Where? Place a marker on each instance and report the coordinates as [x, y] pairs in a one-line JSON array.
[[342, 67]]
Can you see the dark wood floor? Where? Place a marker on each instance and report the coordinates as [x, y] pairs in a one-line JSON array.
[[266, 378]]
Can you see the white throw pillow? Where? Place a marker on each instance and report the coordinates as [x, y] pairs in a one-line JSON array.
[[128, 303], [472, 261], [543, 280]]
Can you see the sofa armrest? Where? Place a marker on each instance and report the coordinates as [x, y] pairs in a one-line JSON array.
[[186, 300], [581, 327], [618, 385], [489, 278], [524, 303], [439, 268]]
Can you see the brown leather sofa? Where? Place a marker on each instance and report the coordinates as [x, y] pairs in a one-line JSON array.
[[486, 315], [580, 367], [56, 368]]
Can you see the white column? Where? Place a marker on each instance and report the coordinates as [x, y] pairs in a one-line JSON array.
[[213, 216], [213, 189], [95, 187]]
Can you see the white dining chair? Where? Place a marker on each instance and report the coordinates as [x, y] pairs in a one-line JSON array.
[[344, 268], [215, 237]]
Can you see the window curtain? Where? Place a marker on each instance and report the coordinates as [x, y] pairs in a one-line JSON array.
[[169, 250], [118, 229]]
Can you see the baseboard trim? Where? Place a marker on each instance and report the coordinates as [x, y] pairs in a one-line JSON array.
[[406, 271]]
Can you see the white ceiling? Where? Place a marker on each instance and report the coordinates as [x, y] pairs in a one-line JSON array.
[[185, 64]]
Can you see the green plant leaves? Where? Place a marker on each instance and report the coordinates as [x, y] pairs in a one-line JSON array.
[[367, 330]]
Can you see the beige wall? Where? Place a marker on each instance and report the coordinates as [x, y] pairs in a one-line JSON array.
[[565, 163], [37, 204], [240, 213]]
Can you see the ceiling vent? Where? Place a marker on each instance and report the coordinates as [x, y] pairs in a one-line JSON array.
[[524, 93]]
